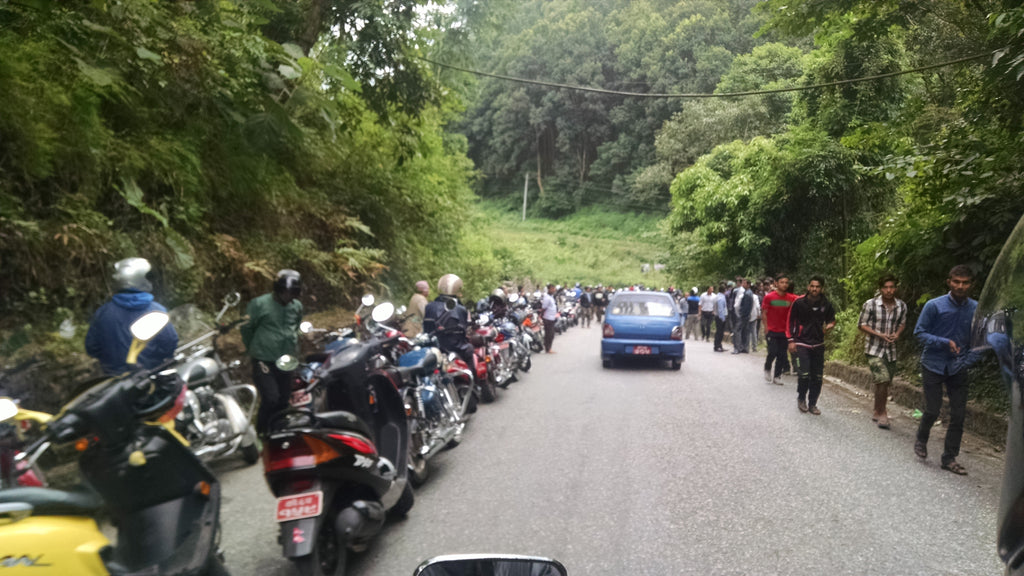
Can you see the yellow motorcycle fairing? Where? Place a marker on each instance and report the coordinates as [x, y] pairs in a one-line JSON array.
[[45, 545]]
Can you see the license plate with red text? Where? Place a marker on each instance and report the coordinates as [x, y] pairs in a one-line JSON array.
[[643, 350], [300, 506]]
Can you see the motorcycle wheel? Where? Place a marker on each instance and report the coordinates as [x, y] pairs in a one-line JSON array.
[[251, 453], [526, 363], [329, 556], [536, 346], [488, 391], [418, 470], [471, 407], [216, 568], [405, 502]]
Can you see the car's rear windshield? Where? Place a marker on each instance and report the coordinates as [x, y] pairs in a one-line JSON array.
[[642, 305]]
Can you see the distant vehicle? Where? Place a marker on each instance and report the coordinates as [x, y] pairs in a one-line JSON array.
[[643, 324]]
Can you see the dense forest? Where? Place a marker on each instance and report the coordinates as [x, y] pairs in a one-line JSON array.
[[226, 139]]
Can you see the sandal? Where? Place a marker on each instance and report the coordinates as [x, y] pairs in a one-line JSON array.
[[955, 468], [921, 449]]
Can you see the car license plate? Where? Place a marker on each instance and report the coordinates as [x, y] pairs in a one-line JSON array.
[[301, 398], [299, 506], [641, 349]]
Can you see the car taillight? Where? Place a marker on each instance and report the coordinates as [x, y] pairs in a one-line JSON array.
[[608, 331], [677, 333]]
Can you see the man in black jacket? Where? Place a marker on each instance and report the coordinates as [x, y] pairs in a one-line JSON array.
[[810, 319]]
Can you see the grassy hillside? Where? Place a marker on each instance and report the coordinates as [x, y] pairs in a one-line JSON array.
[[591, 246]]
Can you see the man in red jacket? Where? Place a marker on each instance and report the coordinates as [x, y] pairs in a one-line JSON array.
[[775, 311]]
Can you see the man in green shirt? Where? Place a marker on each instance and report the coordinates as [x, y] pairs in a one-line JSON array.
[[273, 331]]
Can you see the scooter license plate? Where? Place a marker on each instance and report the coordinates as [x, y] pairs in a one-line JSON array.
[[299, 506], [643, 350], [301, 398]]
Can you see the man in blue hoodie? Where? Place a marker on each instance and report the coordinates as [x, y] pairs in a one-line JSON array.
[[110, 334]]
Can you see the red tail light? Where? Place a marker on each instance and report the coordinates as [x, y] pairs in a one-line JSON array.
[[608, 331], [354, 443]]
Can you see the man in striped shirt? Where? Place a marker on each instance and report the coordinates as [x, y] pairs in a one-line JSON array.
[[883, 319]]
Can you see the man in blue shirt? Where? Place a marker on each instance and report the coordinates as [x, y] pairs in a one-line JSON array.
[[721, 313], [944, 331], [110, 336]]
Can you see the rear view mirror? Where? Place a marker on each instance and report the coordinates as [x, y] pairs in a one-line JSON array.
[[149, 325], [306, 327], [368, 300], [489, 565], [232, 299], [383, 311], [8, 409]]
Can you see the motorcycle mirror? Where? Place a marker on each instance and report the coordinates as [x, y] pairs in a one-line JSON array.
[[287, 363], [474, 564], [382, 312], [368, 300], [306, 327], [232, 299], [513, 298], [401, 310], [149, 325], [8, 409]]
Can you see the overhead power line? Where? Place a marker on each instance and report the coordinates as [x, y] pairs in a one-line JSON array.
[[703, 95]]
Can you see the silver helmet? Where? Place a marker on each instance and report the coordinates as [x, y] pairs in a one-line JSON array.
[[498, 296], [130, 274], [449, 285]]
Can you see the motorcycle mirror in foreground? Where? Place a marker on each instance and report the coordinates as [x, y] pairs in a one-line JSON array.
[[490, 565], [287, 363], [8, 409], [306, 327], [382, 312], [368, 300], [143, 330]]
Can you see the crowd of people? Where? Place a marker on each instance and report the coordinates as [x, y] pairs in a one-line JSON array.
[[794, 328]]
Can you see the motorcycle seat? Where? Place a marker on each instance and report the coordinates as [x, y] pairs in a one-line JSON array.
[[344, 421], [79, 501], [414, 364]]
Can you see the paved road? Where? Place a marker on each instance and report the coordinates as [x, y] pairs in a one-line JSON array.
[[643, 470]]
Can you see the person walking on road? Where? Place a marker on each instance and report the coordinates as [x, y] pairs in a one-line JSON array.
[[271, 332], [692, 314], [586, 307], [549, 313], [883, 319], [744, 306], [775, 309], [754, 332], [944, 331], [721, 314], [811, 318], [707, 313]]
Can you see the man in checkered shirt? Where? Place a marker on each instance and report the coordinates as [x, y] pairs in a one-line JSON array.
[[883, 319]]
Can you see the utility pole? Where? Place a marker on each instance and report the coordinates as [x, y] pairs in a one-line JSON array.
[[526, 185]]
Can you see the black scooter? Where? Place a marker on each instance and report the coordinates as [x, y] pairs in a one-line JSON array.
[[339, 468]]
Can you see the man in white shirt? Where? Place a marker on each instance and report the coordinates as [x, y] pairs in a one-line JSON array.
[[549, 313], [707, 312]]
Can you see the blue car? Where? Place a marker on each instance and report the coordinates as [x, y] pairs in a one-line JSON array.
[[643, 324]]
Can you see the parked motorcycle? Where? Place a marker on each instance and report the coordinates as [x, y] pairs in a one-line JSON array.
[[217, 417], [476, 564], [435, 415], [337, 470], [163, 500]]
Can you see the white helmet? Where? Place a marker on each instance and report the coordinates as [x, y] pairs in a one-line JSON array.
[[449, 285], [130, 274]]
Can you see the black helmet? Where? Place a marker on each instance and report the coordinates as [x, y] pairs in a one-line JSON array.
[[288, 281]]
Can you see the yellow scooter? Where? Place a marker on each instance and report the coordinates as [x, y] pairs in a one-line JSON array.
[[163, 500]]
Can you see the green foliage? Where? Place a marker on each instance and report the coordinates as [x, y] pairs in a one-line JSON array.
[[223, 141]]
